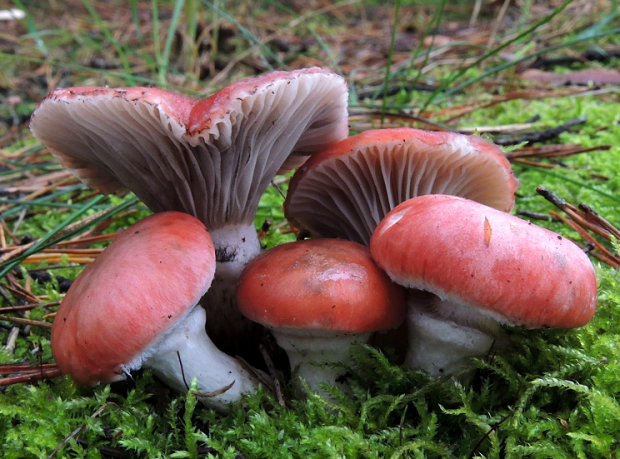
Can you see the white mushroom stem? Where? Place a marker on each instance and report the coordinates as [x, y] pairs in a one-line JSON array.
[[443, 337], [313, 352], [186, 352]]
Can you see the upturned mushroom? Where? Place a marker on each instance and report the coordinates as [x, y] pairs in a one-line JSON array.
[[211, 158], [484, 268], [318, 298], [137, 306], [346, 190]]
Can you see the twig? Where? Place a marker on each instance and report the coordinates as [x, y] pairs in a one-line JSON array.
[[582, 220], [19, 368], [28, 377], [12, 340], [182, 370], [89, 240], [604, 256], [553, 151], [79, 429], [395, 89], [540, 136], [590, 219], [28, 307], [18, 251], [534, 215], [274, 375], [591, 55], [474, 15], [18, 291], [360, 113], [496, 129], [215, 393], [259, 375], [40, 192], [589, 211], [492, 429], [498, 22], [19, 320]]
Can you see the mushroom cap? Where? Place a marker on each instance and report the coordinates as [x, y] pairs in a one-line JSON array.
[[346, 190], [321, 284], [477, 256], [210, 158], [125, 301]]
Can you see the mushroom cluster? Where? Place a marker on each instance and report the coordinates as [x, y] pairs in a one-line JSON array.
[[212, 158], [404, 223]]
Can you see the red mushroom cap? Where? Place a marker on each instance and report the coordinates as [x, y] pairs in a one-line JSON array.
[[322, 284], [147, 280], [474, 255]]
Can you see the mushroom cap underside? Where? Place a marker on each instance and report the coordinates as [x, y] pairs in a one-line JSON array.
[[345, 190], [218, 155]]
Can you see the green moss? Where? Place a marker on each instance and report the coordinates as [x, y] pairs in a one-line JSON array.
[[541, 394], [544, 394]]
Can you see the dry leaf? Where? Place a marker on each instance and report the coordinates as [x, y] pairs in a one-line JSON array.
[[488, 232]]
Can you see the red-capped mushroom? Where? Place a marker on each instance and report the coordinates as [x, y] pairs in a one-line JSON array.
[[136, 305], [210, 158], [484, 267], [347, 189], [319, 297]]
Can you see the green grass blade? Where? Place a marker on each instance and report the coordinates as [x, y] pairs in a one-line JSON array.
[[130, 79], [32, 28], [252, 39], [388, 65], [302, 19], [134, 17], [506, 65], [441, 89], [117, 46], [164, 65], [52, 238]]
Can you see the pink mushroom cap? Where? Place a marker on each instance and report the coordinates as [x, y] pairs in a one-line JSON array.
[[135, 291], [470, 254]]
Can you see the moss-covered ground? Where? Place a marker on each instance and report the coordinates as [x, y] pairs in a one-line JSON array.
[[543, 394]]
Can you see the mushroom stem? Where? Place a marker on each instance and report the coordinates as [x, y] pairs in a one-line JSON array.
[[186, 352], [313, 352], [235, 246], [442, 337]]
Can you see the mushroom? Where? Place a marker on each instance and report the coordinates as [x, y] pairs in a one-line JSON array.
[[347, 189], [136, 305], [319, 297], [211, 158], [484, 268]]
